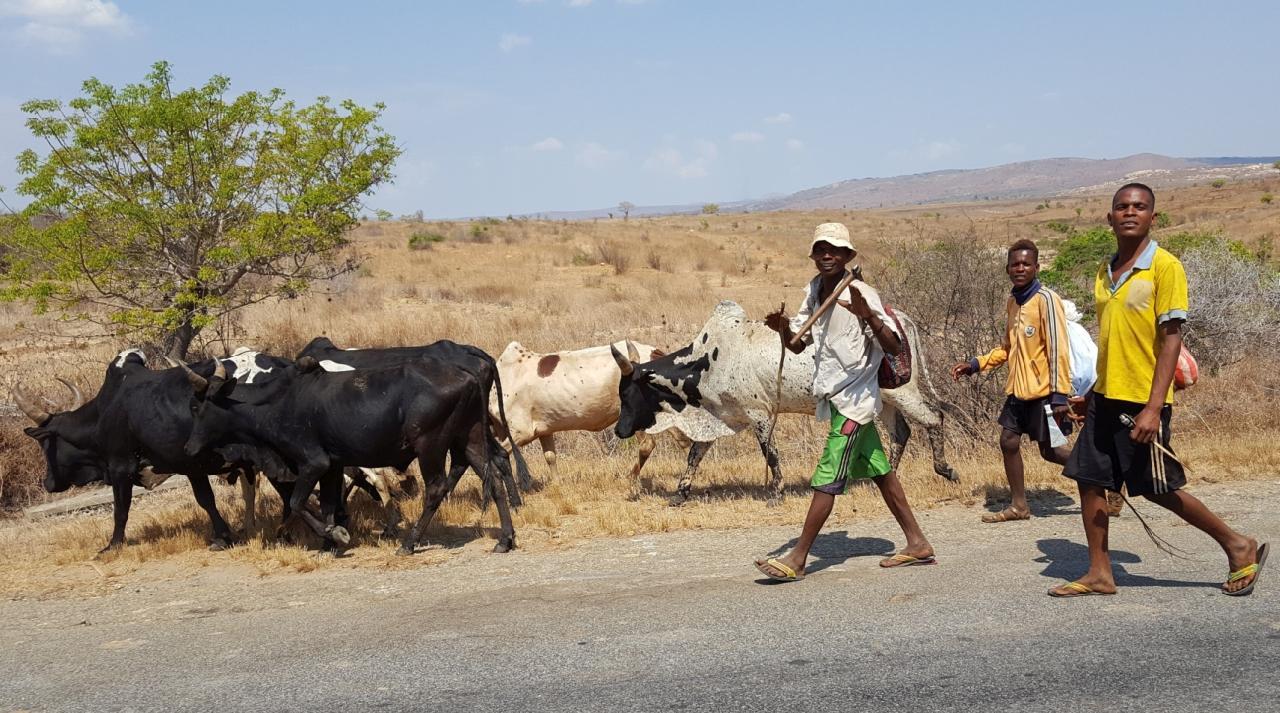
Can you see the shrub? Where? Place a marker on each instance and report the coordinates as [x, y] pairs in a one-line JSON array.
[[1076, 264], [614, 254], [1059, 226], [1235, 304], [1267, 198], [1218, 183], [710, 208], [1163, 220], [424, 241]]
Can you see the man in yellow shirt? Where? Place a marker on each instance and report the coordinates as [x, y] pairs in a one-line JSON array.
[[1142, 303], [1039, 357]]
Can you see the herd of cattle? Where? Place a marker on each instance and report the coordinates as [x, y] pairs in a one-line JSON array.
[[321, 422]]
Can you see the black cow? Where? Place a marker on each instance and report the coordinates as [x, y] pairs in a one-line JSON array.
[[471, 359], [138, 419], [319, 422]]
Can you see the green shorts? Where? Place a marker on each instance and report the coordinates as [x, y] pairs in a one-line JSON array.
[[853, 451]]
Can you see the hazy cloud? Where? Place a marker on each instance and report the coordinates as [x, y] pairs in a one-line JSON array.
[[795, 144], [673, 161], [59, 25], [579, 3], [550, 143], [594, 155], [779, 118], [747, 137], [511, 42]]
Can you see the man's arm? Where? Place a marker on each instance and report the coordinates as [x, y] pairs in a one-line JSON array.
[[1147, 424]]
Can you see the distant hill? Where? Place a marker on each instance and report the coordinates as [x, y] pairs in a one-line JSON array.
[[1042, 178]]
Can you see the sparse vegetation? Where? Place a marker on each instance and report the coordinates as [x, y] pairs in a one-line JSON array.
[[1162, 220], [1266, 198], [424, 241], [1218, 182], [710, 208]]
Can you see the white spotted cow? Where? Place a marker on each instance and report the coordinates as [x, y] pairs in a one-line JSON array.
[[730, 371]]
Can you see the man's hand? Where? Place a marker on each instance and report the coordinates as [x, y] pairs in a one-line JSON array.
[[1061, 412], [857, 304], [1077, 407], [1146, 425], [964, 368], [777, 321]]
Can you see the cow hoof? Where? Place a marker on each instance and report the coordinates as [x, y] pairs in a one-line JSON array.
[[404, 551], [111, 547], [950, 474], [220, 545], [338, 534], [773, 502], [678, 499], [504, 546]]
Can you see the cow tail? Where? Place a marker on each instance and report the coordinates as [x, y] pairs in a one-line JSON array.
[[522, 468], [920, 363]]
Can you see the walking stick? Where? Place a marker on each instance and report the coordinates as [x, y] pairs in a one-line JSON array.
[[823, 308], [777, 390]]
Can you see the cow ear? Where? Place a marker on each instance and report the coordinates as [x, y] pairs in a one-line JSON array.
[[225, 388], [36, 432], [307, 364]]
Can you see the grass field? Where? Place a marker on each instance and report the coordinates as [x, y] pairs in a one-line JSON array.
[[563, 285]]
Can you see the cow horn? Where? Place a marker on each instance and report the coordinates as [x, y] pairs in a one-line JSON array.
[[625, 364], [219, 370], [632, 354], [77, 398], [199, 383], [33, 412]]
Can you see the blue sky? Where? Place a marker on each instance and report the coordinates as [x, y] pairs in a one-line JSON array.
[[516, 107]]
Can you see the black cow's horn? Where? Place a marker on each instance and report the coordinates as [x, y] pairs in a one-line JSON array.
[[199, 383], [632, 354], [625, 364], [220, 370], [33, 412], [77, 398]]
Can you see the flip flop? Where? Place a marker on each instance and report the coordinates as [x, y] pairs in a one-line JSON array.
[[780, 566], [1075, 589], [1253, 569], [1005, 515], [901, 560]]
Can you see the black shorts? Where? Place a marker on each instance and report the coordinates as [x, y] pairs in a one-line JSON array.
[[1105, 455], [1028, 418]]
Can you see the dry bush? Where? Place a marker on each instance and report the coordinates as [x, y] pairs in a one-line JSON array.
[[655, 260], [955, 288], [1235, 305], [615, 255]]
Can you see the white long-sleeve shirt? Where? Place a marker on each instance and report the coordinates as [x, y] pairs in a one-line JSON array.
[[846, 357]]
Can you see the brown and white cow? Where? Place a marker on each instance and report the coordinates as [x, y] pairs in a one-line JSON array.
[[576, 390]]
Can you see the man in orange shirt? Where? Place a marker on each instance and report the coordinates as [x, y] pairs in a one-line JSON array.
[[1039, 358]]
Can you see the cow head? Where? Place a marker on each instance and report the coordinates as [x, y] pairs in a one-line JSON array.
[[209, 419], [57, 432], [670, 382]]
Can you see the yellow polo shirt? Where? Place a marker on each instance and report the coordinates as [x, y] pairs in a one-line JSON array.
[[1130, 307]]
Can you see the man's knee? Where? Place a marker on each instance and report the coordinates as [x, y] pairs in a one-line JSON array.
[[1010, 442]]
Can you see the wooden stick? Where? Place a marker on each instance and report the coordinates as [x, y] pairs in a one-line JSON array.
[[823, 308]]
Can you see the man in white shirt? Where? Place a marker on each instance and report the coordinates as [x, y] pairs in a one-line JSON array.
[[850, 341]]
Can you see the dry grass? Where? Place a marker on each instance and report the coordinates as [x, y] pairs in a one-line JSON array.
[[551, 286]]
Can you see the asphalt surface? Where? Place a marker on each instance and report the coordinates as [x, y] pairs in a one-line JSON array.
[[682, 621]]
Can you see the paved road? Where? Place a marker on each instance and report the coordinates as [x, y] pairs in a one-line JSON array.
[[680, 622]]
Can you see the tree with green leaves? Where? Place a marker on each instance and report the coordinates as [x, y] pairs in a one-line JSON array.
[[156, 210]]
